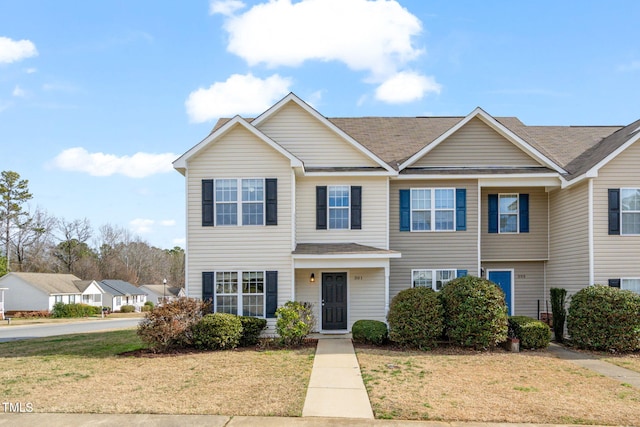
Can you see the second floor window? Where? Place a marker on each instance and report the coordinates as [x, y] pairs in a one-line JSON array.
[[235, 207], [508, 204], [630, 198], [432, 209], [339, 206]]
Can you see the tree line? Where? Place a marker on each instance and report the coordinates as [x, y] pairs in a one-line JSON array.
[[35, 241]]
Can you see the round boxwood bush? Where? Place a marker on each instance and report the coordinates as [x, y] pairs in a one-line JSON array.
[[415, 318], [252, 327], [217, 331], [532, 333], [127, 309], [369, 332], [604, 318], [475, 312]]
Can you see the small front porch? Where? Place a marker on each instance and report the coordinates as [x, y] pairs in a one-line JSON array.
[[343, 282]]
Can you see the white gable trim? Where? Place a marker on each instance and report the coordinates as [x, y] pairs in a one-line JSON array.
[[495, 125], [593, 172], [291, 97], [181, 163]]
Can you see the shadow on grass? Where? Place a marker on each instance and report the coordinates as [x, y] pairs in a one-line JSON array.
[[91, 344]]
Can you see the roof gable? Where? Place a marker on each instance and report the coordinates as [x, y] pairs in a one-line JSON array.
[[498, 127], [180, 164], [323, 143]]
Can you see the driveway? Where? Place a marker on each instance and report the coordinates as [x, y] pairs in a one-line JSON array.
[[13, 333]]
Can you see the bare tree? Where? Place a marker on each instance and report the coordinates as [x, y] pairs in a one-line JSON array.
[[73, 237], [32, 239]]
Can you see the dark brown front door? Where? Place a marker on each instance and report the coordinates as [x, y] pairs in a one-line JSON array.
[[334, 301]]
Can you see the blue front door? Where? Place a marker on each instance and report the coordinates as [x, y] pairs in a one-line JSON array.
[[503, 279]]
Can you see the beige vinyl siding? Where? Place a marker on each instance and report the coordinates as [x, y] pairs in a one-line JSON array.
[[528, 286], [432, 250], [365, 293], [374, 212], [235, 248], [521, 246], [310, 140], [568, 265], [615, 256], [476, 144]]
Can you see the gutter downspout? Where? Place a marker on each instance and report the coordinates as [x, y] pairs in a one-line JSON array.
[[591, 243]]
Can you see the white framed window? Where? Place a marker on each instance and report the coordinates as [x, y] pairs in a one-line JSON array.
[[433, 209], [58, 298], [434, 279], [630, 209], [630, 284], [118, 300], [339, 204], [508, 213], [86, 299], [239, 201], [72, 299], [245, 298]]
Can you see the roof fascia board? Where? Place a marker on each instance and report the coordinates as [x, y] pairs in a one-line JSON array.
[[326, 174], [348, 256], [476, 176], [495, 125], [181, 162], [292, 97], [595, 169]]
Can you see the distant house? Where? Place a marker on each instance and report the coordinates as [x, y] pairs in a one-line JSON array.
[[118, 293], [158, 293], [91, 292], [39, 291]]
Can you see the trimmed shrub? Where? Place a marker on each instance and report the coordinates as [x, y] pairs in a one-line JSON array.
[[605, 318], [475, 312], [149, 304], [252, 327], [170, 325], [532, 333], [558, 299], [294, 322], [146, 308], [416, 318], [127, 309], [62, 310], [217, 331], [369, 332]]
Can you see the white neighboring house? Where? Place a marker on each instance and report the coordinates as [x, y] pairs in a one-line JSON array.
[[159, 293], [118, 293], [39, 291]]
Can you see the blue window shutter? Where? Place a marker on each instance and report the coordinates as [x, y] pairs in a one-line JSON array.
[[493, 213], [614, 283], [461, 209], [461, 273], [356, 207], [271, 198], [614, 211], [271, 294], [524, 213], [207, 287], [207, 202], [405, 210], [321, 207]]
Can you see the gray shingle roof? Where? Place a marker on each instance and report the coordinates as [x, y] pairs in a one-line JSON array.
[[49, 282], [120, 287], [338, 249]]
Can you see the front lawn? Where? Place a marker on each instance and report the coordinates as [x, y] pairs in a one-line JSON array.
[[85, 373], [461, 385], [629, 361]]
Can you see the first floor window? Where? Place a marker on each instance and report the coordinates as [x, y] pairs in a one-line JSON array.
[[58, 298], [630, 204], [630, 284], [245, 298], [118, 300], [508, 205], [434, 279]]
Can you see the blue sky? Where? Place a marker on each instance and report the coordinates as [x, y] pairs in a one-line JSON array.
[[98, 97]]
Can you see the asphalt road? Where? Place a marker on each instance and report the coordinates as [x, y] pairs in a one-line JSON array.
[[13, 333]]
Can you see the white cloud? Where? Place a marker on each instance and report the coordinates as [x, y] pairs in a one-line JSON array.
[[406, 86], [139, 165], [16, 50], [141, 225], [225, 7], [18, 92], [374, 36], [239, 94], [168, 222]]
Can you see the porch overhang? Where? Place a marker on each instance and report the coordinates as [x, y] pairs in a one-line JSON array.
[[341, 255]]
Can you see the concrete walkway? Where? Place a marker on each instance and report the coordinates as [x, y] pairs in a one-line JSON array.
[[336, 388], [590, 362]]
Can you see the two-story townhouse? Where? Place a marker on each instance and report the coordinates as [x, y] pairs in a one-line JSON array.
[[346, 212]]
